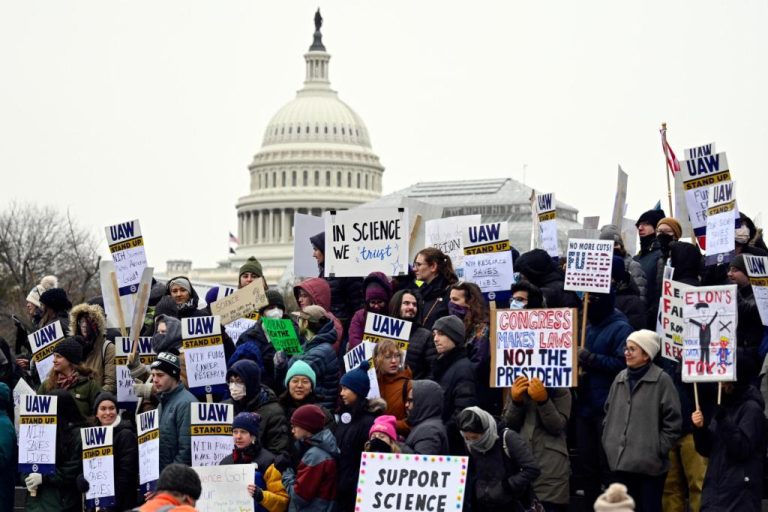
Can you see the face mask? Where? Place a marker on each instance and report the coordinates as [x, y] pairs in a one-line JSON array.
[[664, 241], [376, 308], [516, 304], [379, 446], [742, 235], [237, 390], [456, 310], [275, 313]]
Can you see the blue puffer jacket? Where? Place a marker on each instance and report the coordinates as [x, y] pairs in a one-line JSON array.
[[605, 342], [175, 442], [319, 354]]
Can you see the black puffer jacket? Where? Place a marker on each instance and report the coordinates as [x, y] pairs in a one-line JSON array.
[[434, 301], [421, 352], [456, 375], [126, 465], [629, 302], [539, 269]]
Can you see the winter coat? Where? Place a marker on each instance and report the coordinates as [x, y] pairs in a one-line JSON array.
[[268, 479], [357, 324], [539, 269], [456, 375], [630, 302], [734, 441], [126, 452], [174, 411], [637, 275], [421, 352], [8, 451], [58, 491], [428, 435], [319, 354], [605, 342], [648, 261], [749, 329], [84, 392], [394, 390], [544, 426], [312, 486], [479, 352], [189, 309], [346, 295], [165, 502], [641, 426], [320, 291], [434, 300], [101, 357]]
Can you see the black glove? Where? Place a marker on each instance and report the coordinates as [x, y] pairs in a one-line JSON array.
[[719, 413], [82, 484], [281, 463], [258, 494], [585, 356]]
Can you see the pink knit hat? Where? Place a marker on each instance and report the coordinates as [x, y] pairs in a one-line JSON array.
[[384, 424]]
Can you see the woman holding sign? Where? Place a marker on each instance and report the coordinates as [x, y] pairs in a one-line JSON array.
[[69, 375]]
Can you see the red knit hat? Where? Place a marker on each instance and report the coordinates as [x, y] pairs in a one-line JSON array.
[[309, 417]]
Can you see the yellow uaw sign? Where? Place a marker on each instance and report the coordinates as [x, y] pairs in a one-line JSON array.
[[211, 430], [149, 436], [97, 452], [127, 244], [207, 341], [37, 420]]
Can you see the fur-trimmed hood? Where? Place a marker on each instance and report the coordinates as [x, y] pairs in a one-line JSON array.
[[94, 312]]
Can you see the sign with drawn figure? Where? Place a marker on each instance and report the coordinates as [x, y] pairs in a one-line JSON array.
[[721, 209], [126, 397], [43, 342], [588, 265], [534, 343], [448, 235], [281, 333], [365, 240], [127, 248], [204, 354], [488, 257], [305, 227], [670, 325], [211, 430], [411, 482], [98, 466], [148, 430], [37, 434], [241, 303], [546, 211], [757, 270], [225, 488], [363, 351], [709, 341]]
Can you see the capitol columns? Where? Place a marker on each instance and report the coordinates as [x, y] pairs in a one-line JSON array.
[[283, 225]]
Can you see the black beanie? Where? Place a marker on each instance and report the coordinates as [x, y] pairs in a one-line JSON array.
[[651, 217], [71, 349], [56, 299], [169, 363], [453, 327], [101, 397], [180, 479]]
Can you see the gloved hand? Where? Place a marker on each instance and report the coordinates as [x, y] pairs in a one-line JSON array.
[[519, 389], [281, 463], [82, 484], [537, 391], [258, 494], [280, 359], [585, 356], [33, 481]]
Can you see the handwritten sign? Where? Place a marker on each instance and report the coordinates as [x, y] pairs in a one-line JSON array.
[[546, 213], [721, 209], [448, 235], [671, 326], [19, 390], [37, 434], [588, 265], [488, 257], [241, 303], [359, 353], [534, 343], [127, 248], [148, 429], [225, 487], [43, 343], [757, 270], [305, 227], [126, 397], [410, 482], [709, 342], [366, 240], [211, 429], [204, 354], [98, 466], [282, 335]]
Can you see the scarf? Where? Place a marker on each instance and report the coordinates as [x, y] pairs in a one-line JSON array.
[[490, 435], [245, 455], [67, 381]]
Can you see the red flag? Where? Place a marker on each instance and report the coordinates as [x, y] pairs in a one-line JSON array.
[[672, 163]]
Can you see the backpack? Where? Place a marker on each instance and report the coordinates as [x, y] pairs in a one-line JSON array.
[[531, 502]]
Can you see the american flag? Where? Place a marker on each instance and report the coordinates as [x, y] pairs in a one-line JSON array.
[[233, 239], [672, 163]]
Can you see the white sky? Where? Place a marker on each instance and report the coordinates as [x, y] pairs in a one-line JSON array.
[[154, 109]]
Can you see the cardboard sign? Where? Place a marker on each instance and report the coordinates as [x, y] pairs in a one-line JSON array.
[[204, 354], [546, 212], [757, 270], [126, 397], [410, 482], [304, 227], [488, 257], [534, 343], [709, 343], [366, 240], [127, 248], [588, 265], [225, 487], [116, 306], [211, 429], [241, 303], [591, 222], [43, 342], [671, 326], [98, 466], [447, 235], [620, 199], [282, 335], [37, 434], [721, 209], [148, 429], [364, 352]]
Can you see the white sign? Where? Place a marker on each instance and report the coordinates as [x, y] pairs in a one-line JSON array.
[[148, 429], [488, 257], [127, 248], [709, 342], [620, 199], [670, 322], [43, 342], [305, 227], [19, 390], [366, 240], [126, 397], [225, 487], [700, 151], [410, 482], [115, 306], [721, 209], [236, 328], [447, 235], [37, 434], [364, 352], [203, 353], [211, 429], [98, 466], [588, 265], [757, 270], [547, 219]]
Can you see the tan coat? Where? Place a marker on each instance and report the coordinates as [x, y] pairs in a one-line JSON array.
[[101, 358]]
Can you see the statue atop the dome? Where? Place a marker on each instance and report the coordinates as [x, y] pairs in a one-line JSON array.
[[317, 42], [318, 20]]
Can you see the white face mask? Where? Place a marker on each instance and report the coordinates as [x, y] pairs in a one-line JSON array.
[[237, 390], [274, 313]]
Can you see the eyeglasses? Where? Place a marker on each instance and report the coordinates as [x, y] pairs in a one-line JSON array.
[[630, 350]]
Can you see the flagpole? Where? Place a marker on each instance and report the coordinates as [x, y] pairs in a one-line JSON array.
[[669, 171]]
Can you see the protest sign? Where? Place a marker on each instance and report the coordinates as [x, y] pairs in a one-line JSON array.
[[670, 325], [43, 342], [534, 343], [381, 327], [204, 354], [282, 335], [126, 397], [141, 303], [225, 487], [410, 482], [127, 248], [237, 327], [709, 342], [366, 240], [37, 434], [620, 199], [148, 430], [359, 353], [588, 265], [721, 209], [241, 303], [591, 222], [304, 227], [629, 235], [488, 257], [546, 212], [757, 270], [118, 308], [211, 429], [98, 466], [447, 235], [699, 151], [19, 390]]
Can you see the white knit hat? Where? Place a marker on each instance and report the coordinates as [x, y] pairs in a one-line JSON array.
[[615, 499], [46, 284], [647, 340]]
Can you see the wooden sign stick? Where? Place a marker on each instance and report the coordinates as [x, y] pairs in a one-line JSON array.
[[118, 304], [584, 320]]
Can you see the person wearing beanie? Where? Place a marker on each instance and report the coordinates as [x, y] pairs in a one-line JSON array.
[[34, 306], [749, 330], [393, 380], [68, 374], [275, 307], [615, 499], [55, 306], [174, 410], [89, 322], [354, 420], [178, 490], [734, 440], [456, 375], [311, 484], [377, 290], [250, 271], [184, 296], [669, 226], [633, 267], [300, 382], [642, 422], [649, 253], [382, 438]]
